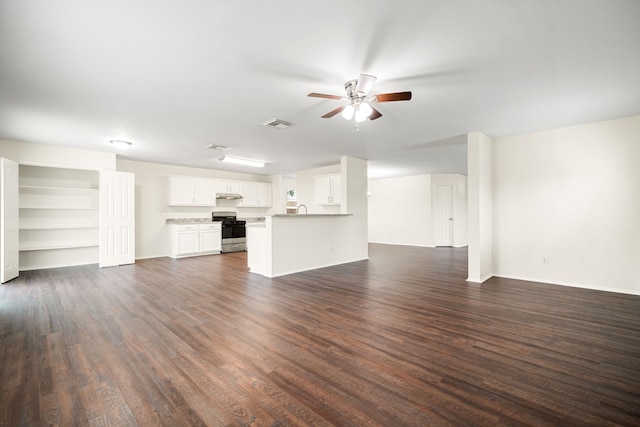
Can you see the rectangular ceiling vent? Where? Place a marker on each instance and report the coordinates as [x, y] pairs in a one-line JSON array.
[[218, 147], [278, 124]]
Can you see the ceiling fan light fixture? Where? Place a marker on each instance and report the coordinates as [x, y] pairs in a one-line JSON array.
[[243, 162], [366, 109], [347, 113], [363, 111]]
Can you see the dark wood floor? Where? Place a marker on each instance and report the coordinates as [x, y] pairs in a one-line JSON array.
[[398, 340]]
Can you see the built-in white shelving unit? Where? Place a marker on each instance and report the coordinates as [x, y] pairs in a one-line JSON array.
[[58, 217]]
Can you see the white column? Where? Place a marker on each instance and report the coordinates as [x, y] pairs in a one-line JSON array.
[[480, 230]]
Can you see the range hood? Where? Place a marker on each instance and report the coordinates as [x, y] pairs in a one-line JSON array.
[[228, 196]]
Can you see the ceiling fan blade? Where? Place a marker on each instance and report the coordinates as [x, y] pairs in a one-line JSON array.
[[324, 95], [365, 83], [396, 96], [334, 112], [375, 114]]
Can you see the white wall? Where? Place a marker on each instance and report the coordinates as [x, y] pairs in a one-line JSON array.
[[152, 238], [479, 207], [401, 209], [570, 195]]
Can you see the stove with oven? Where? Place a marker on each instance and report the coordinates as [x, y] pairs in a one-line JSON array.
[[234, 232]]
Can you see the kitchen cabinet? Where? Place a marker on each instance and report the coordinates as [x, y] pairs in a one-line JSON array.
[[256, 194], [210, 238], [225, 186], [191, 191], [195, 239], [327, 189]]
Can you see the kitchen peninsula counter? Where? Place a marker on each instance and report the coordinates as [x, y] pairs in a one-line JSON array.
[[291, 243], [303, 215]]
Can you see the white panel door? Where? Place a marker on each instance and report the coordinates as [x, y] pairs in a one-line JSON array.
[[117, 218], [9, 252], [443, 215]]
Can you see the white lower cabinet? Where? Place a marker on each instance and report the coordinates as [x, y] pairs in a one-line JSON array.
[[195, 239], [210, 238]]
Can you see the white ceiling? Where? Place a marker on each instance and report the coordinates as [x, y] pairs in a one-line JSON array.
[[173, 77]]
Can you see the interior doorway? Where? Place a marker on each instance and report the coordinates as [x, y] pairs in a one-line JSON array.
[[443, 215]]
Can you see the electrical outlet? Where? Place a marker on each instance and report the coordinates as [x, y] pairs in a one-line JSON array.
[[330, 248], [546, 260]]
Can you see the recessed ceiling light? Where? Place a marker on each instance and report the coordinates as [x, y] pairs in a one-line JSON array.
[[119, 144], [243, 162]]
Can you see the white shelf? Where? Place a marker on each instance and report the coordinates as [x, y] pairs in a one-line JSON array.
[[57, 246], [60, 208], [63, 257], [55, 227], [58, 222], [45, 189]]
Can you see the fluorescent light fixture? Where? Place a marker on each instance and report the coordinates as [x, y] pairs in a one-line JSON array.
[[119, 144], [243, 162]]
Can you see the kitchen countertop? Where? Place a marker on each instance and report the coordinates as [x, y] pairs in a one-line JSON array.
[[188, 221], [252, 219], [257, 221]]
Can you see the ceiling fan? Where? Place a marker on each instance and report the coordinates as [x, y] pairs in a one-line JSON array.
[[359, 106]]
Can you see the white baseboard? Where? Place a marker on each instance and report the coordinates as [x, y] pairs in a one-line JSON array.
[[285, 273], [572, 285], [400, 244], [481, 279]]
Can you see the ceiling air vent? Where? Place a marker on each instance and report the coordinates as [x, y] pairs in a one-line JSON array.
[[277, 123], [218, 147]]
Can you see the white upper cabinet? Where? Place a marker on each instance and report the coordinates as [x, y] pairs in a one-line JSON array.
[[225, 186], [264, 194], [327, 189], [249, 194], [256, 194], [204, 192], [180, 191], [191, 191], [199, 191]]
